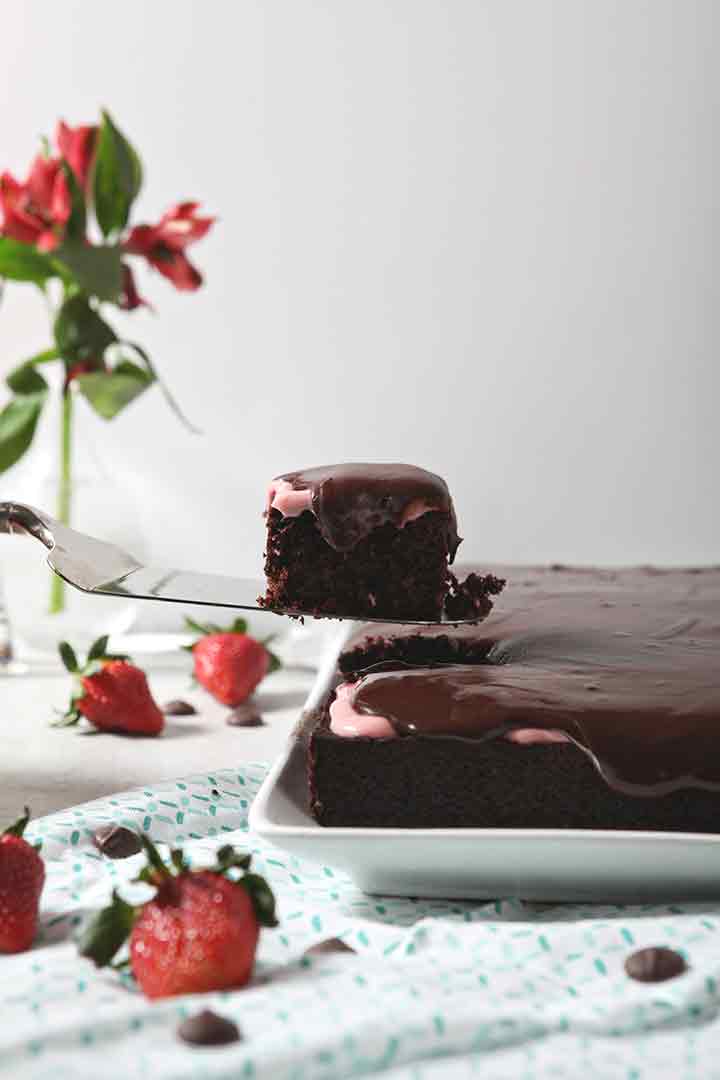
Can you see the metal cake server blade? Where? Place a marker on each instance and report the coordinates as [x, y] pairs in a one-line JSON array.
[[102, 569]]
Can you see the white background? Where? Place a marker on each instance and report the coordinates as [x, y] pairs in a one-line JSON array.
[[477, 236]]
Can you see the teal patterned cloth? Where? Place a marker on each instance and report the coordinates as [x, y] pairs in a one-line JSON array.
[[435, 989]]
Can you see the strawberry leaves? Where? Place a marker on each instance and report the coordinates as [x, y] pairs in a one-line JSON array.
[[261, 895], [239, 626], [18, 827], [68, 657], [96, 657], [110, 928], [107, 932]]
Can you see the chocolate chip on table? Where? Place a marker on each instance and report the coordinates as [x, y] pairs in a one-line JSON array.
[[245, 716], [329, 945], [116, 841], [655, 964], [179, 708], [206, 1028]]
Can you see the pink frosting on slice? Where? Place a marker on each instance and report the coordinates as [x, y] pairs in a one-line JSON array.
[[348, 723], [415, 510], [288, 500], [345, 721], [529, 736], [291, 502]]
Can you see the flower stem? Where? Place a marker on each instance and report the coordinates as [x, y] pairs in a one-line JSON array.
[[64, 494]]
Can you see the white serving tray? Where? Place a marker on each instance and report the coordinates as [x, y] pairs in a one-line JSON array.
[[534, 864]]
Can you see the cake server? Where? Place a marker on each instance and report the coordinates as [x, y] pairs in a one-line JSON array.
[[102, 569]]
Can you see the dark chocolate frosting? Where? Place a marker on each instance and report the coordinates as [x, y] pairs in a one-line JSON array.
[[351, 500], [625, 663]]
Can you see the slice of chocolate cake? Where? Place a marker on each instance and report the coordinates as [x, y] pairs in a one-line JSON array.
[[591, 700], [366, 540]]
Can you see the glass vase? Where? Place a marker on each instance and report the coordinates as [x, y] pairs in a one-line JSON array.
[[63, 474]]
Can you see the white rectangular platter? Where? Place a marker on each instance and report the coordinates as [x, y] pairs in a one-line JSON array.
[[533, 864]]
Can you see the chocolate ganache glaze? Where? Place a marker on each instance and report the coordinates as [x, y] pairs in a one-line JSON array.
[[625, 664], [351, 500]]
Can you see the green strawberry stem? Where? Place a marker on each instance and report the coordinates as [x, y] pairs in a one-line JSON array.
[[64, 494], [18, 827]]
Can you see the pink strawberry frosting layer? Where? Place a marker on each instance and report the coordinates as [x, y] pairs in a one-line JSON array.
[[291, 502], [349, 724]]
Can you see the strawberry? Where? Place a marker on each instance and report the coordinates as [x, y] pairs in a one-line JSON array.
[[22, 875], [230, 663], [115, 695], [197, 934]]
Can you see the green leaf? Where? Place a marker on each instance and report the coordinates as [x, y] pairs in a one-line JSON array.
[[110, 392], [262, 898], [180, 864], [21, 262], [165, 392], [80, 333], [202, 628], [227, 857], [117, 177], [153, 856], [76, 224], [239, 626], [98, 649], [18, 421], [96, 270], [275, 662], [68, 657], [26, 380], [107, 932], [19, 826]]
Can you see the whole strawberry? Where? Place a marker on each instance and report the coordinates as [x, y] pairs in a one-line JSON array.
[[22, 875], [114, 695], [230, 663], [197, 934]]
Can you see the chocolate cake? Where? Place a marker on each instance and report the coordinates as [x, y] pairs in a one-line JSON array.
[[590, 699], [367, 540]]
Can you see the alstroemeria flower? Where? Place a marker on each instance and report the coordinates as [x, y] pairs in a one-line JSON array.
[[130, 298], [163, 245], [77, 146], [36, 211]]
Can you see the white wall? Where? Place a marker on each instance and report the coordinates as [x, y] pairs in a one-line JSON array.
[[478, 236]]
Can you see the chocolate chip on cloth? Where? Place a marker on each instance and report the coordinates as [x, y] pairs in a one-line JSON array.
[[245, 716], [116, 841], [179, 708], [329, 945], [206, 1028], [655, 964]]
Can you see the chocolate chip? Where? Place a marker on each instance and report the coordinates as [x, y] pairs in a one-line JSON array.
[[245, 716], [329, 945], [206, 1028], [179, 708], [116, 841], [655, 964]]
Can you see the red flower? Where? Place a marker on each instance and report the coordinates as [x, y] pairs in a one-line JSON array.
[[36, 211], [163, 245], [130, 298], [77, 146]]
